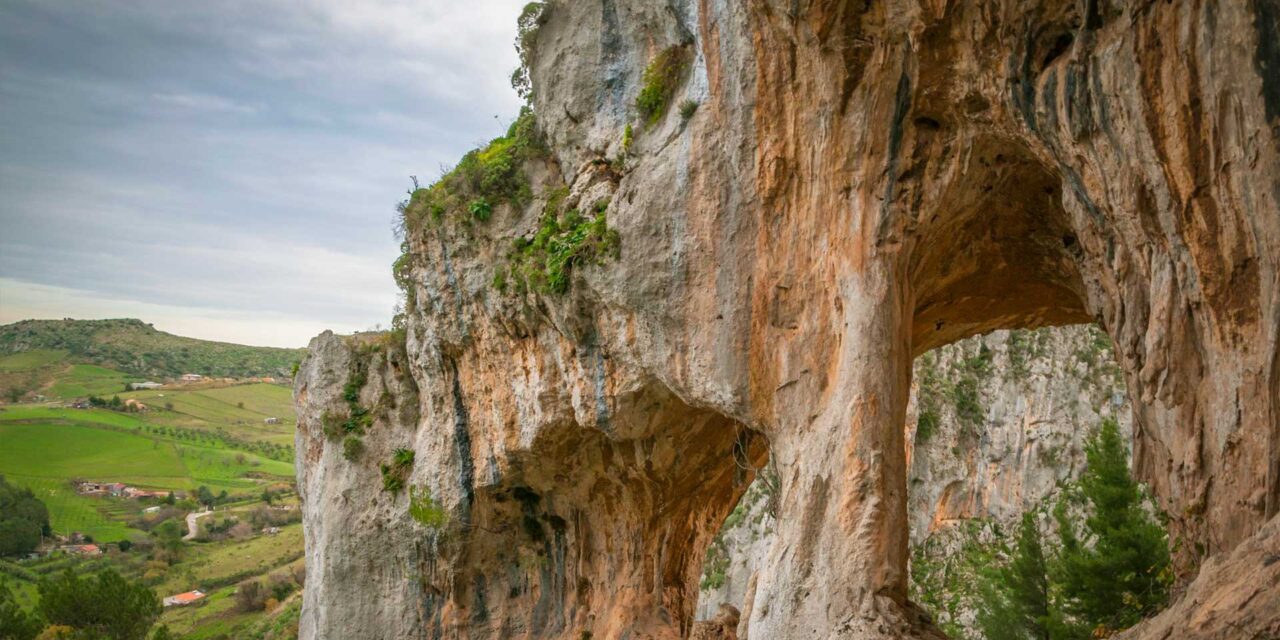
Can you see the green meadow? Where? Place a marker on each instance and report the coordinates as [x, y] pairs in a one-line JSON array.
[[29, 360], [212, 434], [46, 448], [240, 410], [88, 380]]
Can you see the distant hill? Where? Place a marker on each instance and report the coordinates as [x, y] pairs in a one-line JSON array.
[[137, 348]]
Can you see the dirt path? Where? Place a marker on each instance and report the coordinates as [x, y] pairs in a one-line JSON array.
[[192, 528]]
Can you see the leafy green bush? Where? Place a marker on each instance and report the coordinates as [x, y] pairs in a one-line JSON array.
[[391, 479], [545, 263], [424, 508], [531, 18], [715, 565], [628, 138], [926, 424], [687, 109], [659, 82], [23, 519], [102, 606], [403, 457], [484, 178], [480, 209], [394, 474], [352, 447]]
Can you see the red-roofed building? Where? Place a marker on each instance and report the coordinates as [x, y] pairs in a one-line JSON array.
[[183, 599]]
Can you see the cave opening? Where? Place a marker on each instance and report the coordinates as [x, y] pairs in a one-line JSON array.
[[997, 317], [633, 500], [998, 252], [995, 424]]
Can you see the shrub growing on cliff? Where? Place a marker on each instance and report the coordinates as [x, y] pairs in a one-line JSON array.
[[715, 565], [352, 447], [965, 389], [485, 178], [527, 25], [403, 457], [394, 474], [687, 109], [659, 82], [545, 264], [424, 508]]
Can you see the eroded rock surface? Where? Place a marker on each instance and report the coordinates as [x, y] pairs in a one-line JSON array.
[[860, 182], [995, 427]]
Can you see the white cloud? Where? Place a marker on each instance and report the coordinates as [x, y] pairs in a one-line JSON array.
[[237, 162], [202, 102]]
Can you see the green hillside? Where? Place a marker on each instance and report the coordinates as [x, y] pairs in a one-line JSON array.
[[46, 448], [231, 440], [134, 347]]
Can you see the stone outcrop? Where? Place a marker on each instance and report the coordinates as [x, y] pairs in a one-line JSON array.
[[995, 427], [857, 183]]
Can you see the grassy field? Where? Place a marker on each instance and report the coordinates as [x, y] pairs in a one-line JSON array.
[[224, 562], [30, 360], [210, 434], [46, 448], [89, 380], [240, 410], [62, 449]]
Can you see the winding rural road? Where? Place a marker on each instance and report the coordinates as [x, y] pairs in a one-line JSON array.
[[192, 528]]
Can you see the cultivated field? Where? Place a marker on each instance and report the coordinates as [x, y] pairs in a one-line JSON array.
[[212, 434]]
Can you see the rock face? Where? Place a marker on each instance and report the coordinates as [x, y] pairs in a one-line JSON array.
[[995, 426], [858, 183]]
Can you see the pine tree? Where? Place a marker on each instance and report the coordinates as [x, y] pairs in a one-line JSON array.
[[1015, 598], [1115, 572]]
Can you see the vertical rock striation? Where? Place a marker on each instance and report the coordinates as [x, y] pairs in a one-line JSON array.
[[996, 427], [858, 183]]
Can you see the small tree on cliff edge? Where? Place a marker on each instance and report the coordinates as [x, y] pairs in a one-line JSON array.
[[1116, 572], [1015, 597]]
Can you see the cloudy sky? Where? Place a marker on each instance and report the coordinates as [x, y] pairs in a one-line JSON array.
[[228, 169]]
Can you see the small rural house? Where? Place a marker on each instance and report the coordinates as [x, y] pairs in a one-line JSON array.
[[191, 377], [145, 385], [184, 599]]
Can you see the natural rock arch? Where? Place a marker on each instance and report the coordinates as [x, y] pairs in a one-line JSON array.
[[861, 181]]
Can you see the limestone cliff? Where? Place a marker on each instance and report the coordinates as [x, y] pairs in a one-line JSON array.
[[738, 225], [996, 425]]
